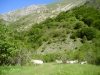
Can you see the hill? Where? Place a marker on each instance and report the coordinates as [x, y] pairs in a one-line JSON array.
[[23, 18], [71, 35], [93, 3]]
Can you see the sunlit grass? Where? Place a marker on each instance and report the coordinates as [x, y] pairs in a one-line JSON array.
[[51, 69]]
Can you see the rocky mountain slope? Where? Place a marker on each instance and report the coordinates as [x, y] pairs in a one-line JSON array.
[[17, 14], [33, 9], [23, 18], [94, 3]]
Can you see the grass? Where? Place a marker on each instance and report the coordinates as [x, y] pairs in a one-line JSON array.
[[51, 69]]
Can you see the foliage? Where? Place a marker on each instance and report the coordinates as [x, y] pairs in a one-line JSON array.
[[78, 25], [61, 16], [88, 20], [51, 57], [81, 22], [96, 24], [91, 52], [8, 50], [87, 13], [84, 39], [89, 32]]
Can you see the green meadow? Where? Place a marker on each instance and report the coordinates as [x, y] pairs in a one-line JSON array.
[[51, 69]]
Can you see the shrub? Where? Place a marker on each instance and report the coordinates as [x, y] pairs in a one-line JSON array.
[[88, 20], [96, 24], [7, 52], [78, 25], [89, 32], [84, 39], [61, 16], [49, 58], [97, 60]]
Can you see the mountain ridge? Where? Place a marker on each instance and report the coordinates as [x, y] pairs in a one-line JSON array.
[[21, 19], [33, 9], [22, 12]]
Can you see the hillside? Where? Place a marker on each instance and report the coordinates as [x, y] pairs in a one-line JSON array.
[[23, 18], [93, 3], [51, 9], [71, 35]]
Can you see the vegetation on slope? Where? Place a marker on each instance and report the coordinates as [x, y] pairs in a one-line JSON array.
[[79, 25], [8, 48]]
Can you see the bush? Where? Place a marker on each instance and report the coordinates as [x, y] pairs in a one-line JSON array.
[[97, 60], [7, 52], [84, 39], [90, 53], [96, 24], [61, 16], [88, 21], [51, 57], [89, 32], [78, 25], [73, 36]]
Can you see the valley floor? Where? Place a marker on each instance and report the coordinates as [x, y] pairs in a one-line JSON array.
[[51, 69]]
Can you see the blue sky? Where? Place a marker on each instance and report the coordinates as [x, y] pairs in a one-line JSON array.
[[9, 5]]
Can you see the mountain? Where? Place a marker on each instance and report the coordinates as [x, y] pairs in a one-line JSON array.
[[23, 18], [58, 31], [40, 9], [17, 14], [93, 3]]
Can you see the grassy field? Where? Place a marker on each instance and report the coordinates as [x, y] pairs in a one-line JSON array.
[[51, 69]]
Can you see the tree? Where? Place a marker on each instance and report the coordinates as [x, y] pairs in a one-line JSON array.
[[88, 20], [7, 52], [89, 32], [61, 16], [96, 24], [84, 39], [78, 25], [8, 48], [48, 20]]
